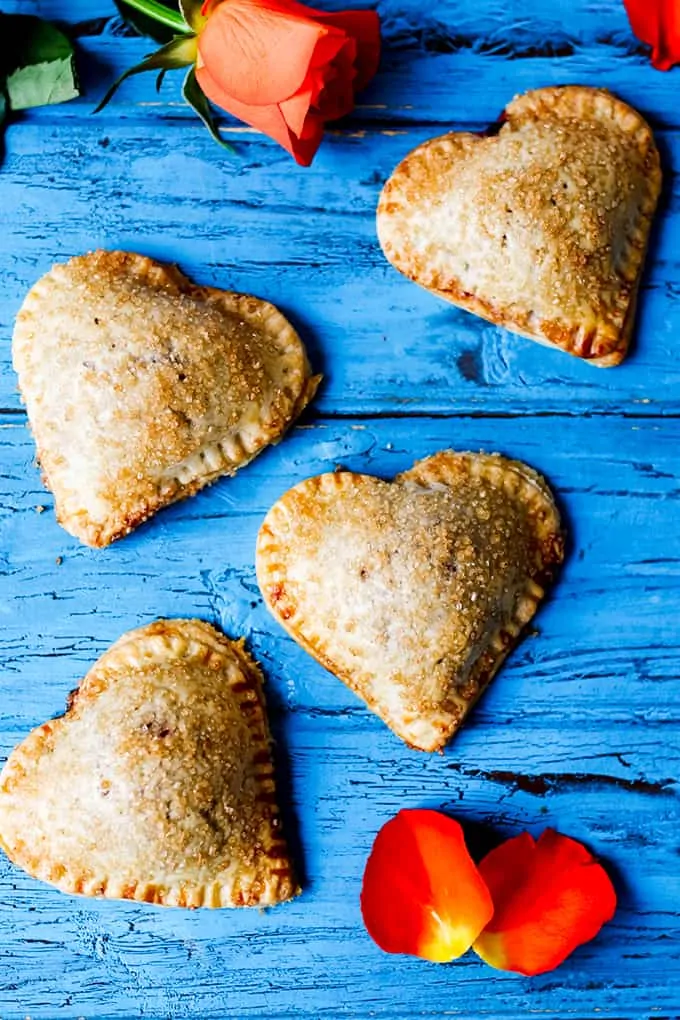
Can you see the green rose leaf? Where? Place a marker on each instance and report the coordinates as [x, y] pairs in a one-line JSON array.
[[37, 62], [160, 21], [191, 12], [195, 97], [180, 52]]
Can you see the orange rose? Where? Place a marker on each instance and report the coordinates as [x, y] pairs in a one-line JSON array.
[[284, 68]]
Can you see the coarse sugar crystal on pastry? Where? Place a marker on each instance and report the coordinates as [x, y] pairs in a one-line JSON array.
[[542, 228], [157, 784], [141, 388], [412, 591]]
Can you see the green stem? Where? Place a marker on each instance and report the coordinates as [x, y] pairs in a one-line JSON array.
[[160, 13]]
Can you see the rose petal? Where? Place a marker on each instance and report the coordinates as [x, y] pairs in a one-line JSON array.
[[337, 98], [286, 68], [422, 893], [268, 119], [657, 22], [364, 27], [259, 53], [296, 109], [549, 897]]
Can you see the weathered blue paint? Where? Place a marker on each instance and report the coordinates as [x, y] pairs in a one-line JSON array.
[[580, 730]]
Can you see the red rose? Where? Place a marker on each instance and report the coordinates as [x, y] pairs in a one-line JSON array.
[[525, 908], [284, 68], [657, 22]]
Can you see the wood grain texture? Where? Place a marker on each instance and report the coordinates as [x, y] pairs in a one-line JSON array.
[[381, 341], [581, 729]]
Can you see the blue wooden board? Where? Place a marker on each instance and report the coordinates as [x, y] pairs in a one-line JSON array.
[[580, 730]]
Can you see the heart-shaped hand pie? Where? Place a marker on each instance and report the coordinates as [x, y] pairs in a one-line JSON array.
[[157, 785], [414, 591], [142, 388], [543, 228]]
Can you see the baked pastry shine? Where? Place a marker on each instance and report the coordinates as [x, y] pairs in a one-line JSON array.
[[541, 229], [157, 784], [141, 388], [412, 592]]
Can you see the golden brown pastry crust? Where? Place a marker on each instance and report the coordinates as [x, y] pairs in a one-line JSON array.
[[541, 229], [142, 388], [414, 591], [157, 784]]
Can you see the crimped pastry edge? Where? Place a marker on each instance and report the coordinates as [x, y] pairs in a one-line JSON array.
[[188, 639], [605, 345], [518, 479], [212, 460]]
